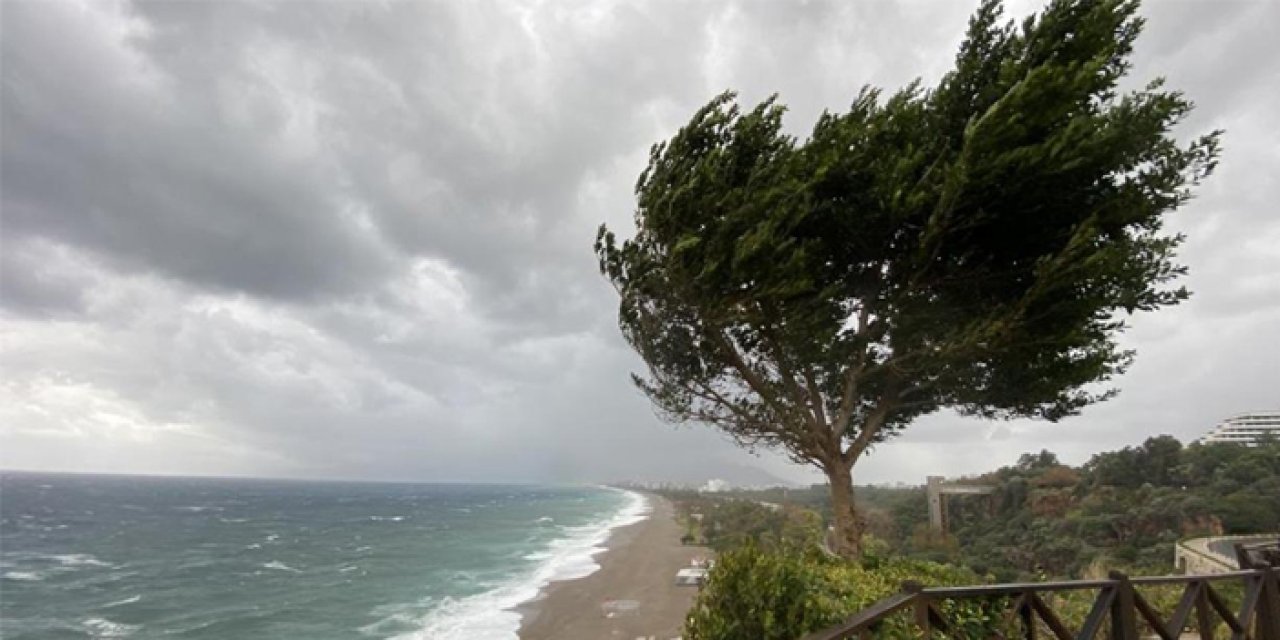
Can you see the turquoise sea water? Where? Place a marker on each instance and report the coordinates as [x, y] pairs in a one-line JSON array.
[[116, 556]]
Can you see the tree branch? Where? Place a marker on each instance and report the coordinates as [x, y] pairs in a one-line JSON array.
[[815, 395], [815, 435], [802, 446], [753, 380], [815, 416], [871, 426], [850, 391]]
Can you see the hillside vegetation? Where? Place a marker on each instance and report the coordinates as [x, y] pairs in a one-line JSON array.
[[1121, 510]]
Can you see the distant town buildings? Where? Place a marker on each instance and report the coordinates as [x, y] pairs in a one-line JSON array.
[[1246, 428]]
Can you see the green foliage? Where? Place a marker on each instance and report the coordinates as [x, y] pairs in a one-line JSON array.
[[1237, 485], [752, 594], [724, 522], [1122, 510], [976, 245]]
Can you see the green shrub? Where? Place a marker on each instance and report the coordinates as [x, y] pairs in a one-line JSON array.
[[769, 594], [754, 594]]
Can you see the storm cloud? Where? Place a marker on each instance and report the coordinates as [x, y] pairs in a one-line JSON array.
[[353, 239]]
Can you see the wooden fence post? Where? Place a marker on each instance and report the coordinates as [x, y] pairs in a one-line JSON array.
[[1027, 614], [1267, 626], [920, 607], [1124, 623]]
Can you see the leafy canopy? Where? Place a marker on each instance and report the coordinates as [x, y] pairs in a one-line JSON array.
[[975, 245]]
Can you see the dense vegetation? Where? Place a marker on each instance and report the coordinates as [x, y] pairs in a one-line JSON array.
[[782, 593], [725, 522], [1121, 510]]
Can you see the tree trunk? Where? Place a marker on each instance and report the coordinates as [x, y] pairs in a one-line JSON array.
[[846, 538]]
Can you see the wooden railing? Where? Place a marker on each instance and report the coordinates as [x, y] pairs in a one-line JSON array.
[[1118, 612]]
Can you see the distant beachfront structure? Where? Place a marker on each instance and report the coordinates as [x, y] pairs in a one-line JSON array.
[[1246, 428]]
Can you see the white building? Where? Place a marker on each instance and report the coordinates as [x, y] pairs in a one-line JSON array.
[[1246, 428]]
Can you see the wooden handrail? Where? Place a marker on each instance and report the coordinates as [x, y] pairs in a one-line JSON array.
[[1015, 588], [878, 611], [1117, 601]]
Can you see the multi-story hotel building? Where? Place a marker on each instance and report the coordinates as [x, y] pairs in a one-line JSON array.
[[1246, 428]]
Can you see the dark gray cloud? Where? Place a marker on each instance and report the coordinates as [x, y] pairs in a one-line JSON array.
[[353, 239]]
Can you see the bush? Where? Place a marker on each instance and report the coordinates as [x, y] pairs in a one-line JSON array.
[[753, 594], [756, 594]]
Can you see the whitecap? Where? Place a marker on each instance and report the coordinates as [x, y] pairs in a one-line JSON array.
[[280, 566], [120, 603], [388, 623], [198, 508], [24, 576], [387, 518], [78, 560], [492, 614], [546, 519], [104, 628]]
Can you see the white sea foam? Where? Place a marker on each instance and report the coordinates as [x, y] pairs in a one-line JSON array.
[[78, 560], [121, 603], [280, 566], [24, 576], [199, 508], [104, 628], [387, 518], [491, 616]]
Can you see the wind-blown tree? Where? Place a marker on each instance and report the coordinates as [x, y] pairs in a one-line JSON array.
[[975, 246]]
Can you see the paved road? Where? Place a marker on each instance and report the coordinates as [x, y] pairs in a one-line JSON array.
[[1227, 548]]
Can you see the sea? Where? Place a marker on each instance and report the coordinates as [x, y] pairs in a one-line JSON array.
[[97, 556]]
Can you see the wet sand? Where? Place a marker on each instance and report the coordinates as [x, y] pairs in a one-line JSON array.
[[633, 595]]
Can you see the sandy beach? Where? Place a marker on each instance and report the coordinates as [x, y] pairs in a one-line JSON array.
[[633, 595]]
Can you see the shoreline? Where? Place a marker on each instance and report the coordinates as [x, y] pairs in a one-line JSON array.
[[632, 594]]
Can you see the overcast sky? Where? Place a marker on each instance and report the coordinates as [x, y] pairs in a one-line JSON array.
[[353, 239]]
